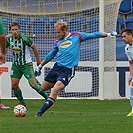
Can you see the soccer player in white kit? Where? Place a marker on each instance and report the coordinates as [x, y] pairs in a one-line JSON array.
[[127, 36]]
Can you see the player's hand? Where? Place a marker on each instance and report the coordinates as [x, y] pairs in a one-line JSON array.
[[112, 34], [2, 58], [129, 80], [38, 70]]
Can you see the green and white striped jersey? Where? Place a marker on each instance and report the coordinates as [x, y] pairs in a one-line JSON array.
[[20, 48]]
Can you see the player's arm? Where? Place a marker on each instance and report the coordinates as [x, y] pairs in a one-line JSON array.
[[86, 36], [131, 72], [2, 37], [30, 43], [128, 54], [2, 45], [2, 42], [46, 59], [7, 43], [35, 49], [49, 56]]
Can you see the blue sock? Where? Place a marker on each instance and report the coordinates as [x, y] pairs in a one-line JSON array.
[[131, 96], [50, 101]]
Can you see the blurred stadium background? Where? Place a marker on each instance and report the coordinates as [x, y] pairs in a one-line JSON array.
[[37, 19]]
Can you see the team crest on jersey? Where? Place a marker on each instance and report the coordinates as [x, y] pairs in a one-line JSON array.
[[16, 49], [66, 44]]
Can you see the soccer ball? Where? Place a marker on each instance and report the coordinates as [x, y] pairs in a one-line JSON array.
[[20, 110]]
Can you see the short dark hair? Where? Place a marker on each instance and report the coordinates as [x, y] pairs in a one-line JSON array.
[[14, 24], [128, 31]]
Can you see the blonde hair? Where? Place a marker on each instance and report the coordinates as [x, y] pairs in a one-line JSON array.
[[62, 24]]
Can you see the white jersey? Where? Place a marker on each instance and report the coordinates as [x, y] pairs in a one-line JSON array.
[[129, 52]]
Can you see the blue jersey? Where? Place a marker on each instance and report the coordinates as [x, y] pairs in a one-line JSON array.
[[68, 49]]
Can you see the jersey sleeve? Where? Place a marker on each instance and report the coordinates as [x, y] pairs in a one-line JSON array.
[[28, 40], [51, 54], [86, 36]]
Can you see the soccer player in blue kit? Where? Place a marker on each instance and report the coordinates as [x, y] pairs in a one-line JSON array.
[[67, 48]]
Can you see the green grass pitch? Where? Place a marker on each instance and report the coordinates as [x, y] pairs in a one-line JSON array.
[[70, 116]]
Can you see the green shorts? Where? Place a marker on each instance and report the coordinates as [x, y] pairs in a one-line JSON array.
[[26, 70], [2, 28]]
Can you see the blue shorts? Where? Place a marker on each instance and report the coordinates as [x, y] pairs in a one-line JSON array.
[[60, 73]]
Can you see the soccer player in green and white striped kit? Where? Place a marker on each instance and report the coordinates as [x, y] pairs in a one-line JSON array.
[[22, 62], [3, 53]]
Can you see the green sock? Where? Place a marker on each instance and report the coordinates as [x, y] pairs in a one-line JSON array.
[[18, 94], [41, 92], [38, 89]]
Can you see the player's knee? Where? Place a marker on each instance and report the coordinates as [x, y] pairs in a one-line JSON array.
[[14, 87], [55, 91]]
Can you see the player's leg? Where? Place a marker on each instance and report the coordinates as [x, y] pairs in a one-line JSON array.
[[34, 85], [131, 99], [61, 77], [29, 74], [53, 95], [15, 78], [17, 90]]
